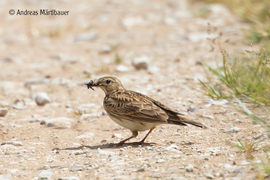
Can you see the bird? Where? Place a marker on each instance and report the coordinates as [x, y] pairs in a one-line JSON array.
[[136, 111]]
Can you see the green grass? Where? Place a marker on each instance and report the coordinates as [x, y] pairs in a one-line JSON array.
[[243, 80], [248, 79]]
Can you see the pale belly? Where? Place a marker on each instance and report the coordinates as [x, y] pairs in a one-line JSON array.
[[134, 125]]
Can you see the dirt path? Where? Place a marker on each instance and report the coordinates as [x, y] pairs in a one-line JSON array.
[[57, 54]]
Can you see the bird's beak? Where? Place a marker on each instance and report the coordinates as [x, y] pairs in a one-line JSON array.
[[91, 84]]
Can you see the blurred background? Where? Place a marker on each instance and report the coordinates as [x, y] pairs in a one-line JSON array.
[[156, 47], [101, 37]]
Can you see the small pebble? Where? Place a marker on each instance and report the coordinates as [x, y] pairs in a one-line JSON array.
[[89, 116], [190, 109], [3, 112], [87, 72], [141, 63], [14, 143], [160, 161], [42, 99], [4, 104], [73, 60], [39, 81], [232, 130], [88, 36], [189, 168], [221, 102], [86, 135], [122, 68], [59, 122], [76, 167], [105, 50], [5, 177], [45, 174], [117, 135], [78, 152], [237, 171], [208, 117], [209, 176], [103, 152], [69, 178], [228, 166], [172, 146]]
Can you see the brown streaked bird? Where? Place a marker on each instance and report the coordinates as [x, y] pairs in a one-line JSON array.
[[135, 111]]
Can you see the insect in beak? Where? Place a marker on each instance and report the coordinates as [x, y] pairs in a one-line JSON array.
[[91, 84]]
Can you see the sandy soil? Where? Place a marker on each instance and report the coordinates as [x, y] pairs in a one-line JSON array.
[[58, 54]]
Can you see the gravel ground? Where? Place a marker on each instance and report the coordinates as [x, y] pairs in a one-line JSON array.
[[56, 128]]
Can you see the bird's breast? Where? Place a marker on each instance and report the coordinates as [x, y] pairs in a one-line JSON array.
[[134, 125]]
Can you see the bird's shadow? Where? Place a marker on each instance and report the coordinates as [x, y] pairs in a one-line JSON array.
[[106, 146]]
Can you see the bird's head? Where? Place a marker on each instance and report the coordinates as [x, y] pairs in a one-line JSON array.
[[108, 84]]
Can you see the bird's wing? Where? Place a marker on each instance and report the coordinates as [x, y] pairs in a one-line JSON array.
[[166, 108], [133, 106]]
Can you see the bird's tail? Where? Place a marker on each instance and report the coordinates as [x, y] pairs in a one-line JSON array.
[[184, 121]]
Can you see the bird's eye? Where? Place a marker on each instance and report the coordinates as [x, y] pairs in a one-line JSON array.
[[108, 81]]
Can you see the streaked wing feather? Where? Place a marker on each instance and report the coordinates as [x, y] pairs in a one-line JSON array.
[[166, 108], [134, 107]]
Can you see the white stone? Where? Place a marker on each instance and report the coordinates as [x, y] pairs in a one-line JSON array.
[[78, 152], [247, 162], [39, 81], [61, 121], [160, 161], [73, 60], [45, 174], [4, 104], [105, 49], [209, 176], [172, 146], [189, 168], [122, 68], [14, 143], [228, 166], [153, 69], [5, 177], [87, 116], [208, 117], [76, 167], [42, 99], [132, 21], [232, 130], [86, 135], [88, 105], [169, 21], [117, 135], [221, 102], [141, 63], [99, 151], [89, 36], [70, 178]]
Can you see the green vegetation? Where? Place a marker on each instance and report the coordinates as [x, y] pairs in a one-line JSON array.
[[118, 59], [248, 79], [245, 79]]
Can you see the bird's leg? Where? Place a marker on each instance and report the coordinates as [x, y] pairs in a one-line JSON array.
[[142, 141], [134, 134]]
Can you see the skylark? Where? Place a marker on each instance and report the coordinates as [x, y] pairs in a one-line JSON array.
[[135, 111]]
